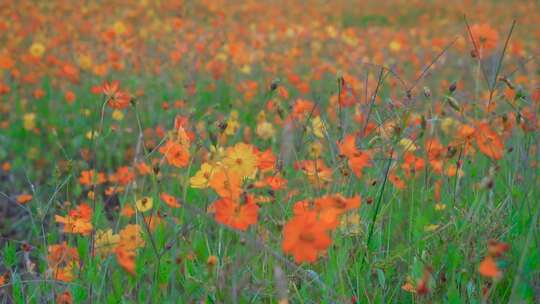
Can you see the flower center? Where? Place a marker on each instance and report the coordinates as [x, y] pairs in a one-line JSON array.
[[307, 237]]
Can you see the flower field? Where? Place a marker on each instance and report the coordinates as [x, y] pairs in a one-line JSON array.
[[250, 151]]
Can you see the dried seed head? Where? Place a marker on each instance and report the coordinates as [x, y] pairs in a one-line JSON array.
[[452, 87], [427, 92]]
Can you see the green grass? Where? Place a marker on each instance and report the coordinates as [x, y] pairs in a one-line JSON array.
[[399, 247], [401, 233]]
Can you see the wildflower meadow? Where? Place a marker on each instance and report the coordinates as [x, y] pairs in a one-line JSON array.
[[269, 151]]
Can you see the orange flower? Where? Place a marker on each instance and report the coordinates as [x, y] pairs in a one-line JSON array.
[[236, 215], [170, 200], [123, 176], [131, 237], [304, 108], [226, 183], [6, 62], [267, 161], [176, 154], [78, 220], [338, 202], [496, 248], [153, 221], [61, 261], [126, 259], [64, 298], [89, 177], [70, 97], [127, 211], [435, 153], [412, 164], [488, 268], [143, 168], [4, 278], [348, 146], [489, 142], [358, 160], [396, 181], [115, 98], [24, 198], [305, 238], [4, 89], [275, 182], [316, 170], [485, 37]]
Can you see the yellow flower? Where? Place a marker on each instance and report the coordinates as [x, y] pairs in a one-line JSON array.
[[440, 206], [29, 121], [119, 27], [317, 127], [117, 115], [407, 144], [242, 159], [33, 153], [91, 135], [232, 126], [395, 46], [85, 62], [315, 149], [106, 241], [202, 177], [86, 112], [246, 69], [350, 224], [37, 49], [431, 228], [144, 204], [449, 125], [261, 117]]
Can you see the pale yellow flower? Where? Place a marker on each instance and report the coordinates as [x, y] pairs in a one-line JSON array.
[[106, 241], [265, 130], [202, 177]]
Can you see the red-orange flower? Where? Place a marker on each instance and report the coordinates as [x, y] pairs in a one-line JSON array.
[[305, 238], [24, 198], [89, 177], [488, 268], [170, 200], [358, 160], [126, 259], [116, 98], [489, 142], [78, 220], [123, 176], [176, 154], [238, 216], [412, 164], [435, 154], [64, 298], [61, 261]]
